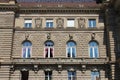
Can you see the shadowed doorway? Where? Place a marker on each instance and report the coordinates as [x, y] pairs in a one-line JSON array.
[[24, 75]]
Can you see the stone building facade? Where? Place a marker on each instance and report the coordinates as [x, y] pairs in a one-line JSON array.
[[58, 40]]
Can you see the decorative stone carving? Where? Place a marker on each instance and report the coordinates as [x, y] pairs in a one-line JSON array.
[[24, 69], [59, 68], [48, 36], [71, 69], [70, 37], [26, 36], [93, 36], [12, 69], [60, 22], [38, 23], [48, 69], [81, 22], [94, 68], [36, 68], [83, 68]]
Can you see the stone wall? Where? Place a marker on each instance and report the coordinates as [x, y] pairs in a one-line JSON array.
[[60, 39]]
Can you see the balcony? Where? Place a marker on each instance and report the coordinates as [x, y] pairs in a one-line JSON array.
[[59, 61]]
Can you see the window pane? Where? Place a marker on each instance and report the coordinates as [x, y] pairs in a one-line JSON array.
[[92, 23], [28, 23], [49, 43], [27, 43], [71, 49], [70, 23], [24, 52], [48, 75], [26, 49], [73, 52], [51, 52], [68, 52], [91, 53], [96, 52], [70, 44], [71, 75], [93, 47], [49, 23], [49, 49], [94, 75], [28, 54]]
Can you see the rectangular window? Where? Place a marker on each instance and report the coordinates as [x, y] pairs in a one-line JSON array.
[[28, 23], [92, 23], [70, 23], [95, 75], [48, 75], [49, 23], [71, 75]]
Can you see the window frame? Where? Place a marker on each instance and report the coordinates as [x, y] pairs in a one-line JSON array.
[[91, 21], [48, 76], [26, 52], [71, 75], [70, 22], [28, 22], [95, 74], [48, 47], [71, 49], [49, 21], [93, 50]]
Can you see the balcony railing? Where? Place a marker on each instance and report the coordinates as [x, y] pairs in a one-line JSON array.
[[59, 61]]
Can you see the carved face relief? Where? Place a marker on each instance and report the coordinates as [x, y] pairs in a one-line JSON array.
[[81, 22], [38, 23], [60, 22]]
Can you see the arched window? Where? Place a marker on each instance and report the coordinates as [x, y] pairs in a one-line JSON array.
[[49, 49], [93, 49], [71, 49], [26, 49]]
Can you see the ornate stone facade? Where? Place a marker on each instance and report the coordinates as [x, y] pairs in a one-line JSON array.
[[59, 41]]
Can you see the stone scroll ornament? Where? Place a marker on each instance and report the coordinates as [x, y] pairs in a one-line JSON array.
[[81, 22], [60, 22], [38, 23]]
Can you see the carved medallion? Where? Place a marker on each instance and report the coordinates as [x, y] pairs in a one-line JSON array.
[[60, 22]]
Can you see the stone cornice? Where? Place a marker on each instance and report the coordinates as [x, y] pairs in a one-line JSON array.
[[8, 7], [47, 10], [59, 10]]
